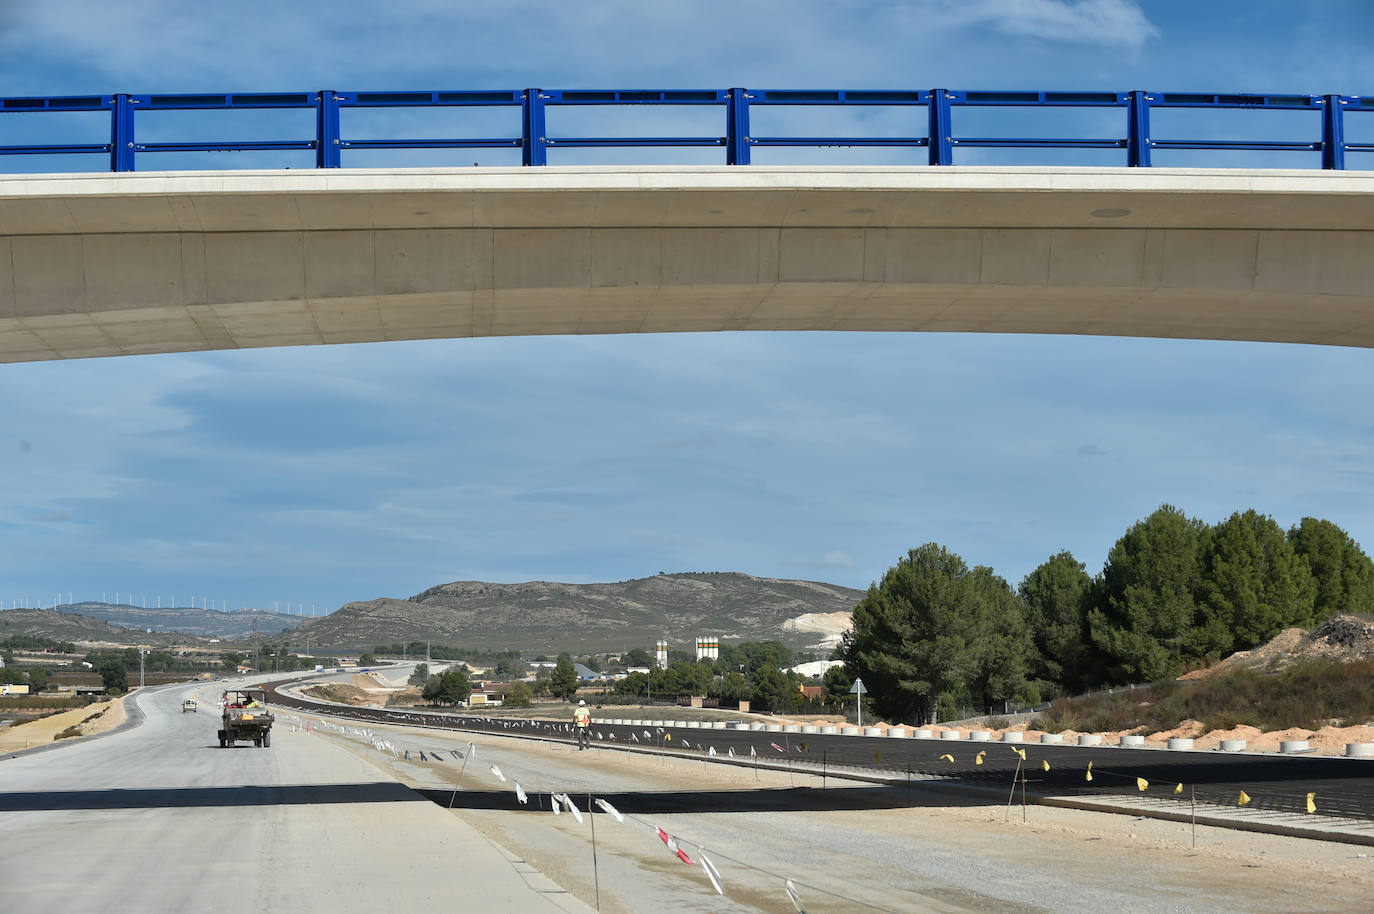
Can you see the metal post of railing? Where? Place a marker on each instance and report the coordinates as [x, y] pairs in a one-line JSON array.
[[1138, 130], [328, 149], [122, 134], [534, 142], [1333, 132], [737, 128], [941, 136]]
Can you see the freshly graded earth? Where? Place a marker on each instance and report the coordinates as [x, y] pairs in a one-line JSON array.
[[108, 715], [845, 846]]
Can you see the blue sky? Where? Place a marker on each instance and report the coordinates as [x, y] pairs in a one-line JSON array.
[[325, 474]]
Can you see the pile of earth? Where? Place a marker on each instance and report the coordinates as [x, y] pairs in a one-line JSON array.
[[340, 693], [1344, 638]]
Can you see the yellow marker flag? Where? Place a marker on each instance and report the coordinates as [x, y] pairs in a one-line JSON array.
[[1311, 802], [1179, 789], [1142, 784], [947, 757], [1020, 752], [1046, 763], [878, 756], [1090, 770], [1243, 799], [667, 736]]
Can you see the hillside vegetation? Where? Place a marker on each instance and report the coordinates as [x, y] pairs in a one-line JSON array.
[[1308, 696], [62, 626], [188, 620], [542, 615]]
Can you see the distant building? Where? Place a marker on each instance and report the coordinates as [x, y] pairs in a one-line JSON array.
[[811, 693], [816, 667], [661, 654], [708, 649]]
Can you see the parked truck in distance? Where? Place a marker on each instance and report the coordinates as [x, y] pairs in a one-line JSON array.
[[246, 718]]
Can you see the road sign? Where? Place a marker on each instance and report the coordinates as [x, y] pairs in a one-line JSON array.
[[858, 687]]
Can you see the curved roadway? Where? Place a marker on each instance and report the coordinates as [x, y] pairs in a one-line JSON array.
[[1344, 787], [157, 817]]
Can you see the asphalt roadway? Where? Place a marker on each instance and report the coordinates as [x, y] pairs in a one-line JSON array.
[[156, 816], [1276, 785]]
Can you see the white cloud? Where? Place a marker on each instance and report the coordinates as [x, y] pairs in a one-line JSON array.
[[1117, 23]]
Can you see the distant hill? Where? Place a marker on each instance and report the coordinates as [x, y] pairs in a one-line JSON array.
[[187, 620], [545, 616], [64, 626]]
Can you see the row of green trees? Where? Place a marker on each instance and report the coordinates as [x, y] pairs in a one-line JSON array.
[[1174, 592], [36, 643]]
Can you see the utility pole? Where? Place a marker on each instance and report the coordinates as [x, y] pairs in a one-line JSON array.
[[142, 652]]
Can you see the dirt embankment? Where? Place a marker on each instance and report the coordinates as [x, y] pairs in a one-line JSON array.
[[87, 721], [341, 693], [1340, 639]]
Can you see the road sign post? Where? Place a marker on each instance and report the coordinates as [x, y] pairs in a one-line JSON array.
[[858, 691]]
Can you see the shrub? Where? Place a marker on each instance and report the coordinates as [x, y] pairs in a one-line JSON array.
[[1307, 695], [67, 733]]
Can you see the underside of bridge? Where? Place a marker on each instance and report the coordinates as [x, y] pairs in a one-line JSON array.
[[105, 265]]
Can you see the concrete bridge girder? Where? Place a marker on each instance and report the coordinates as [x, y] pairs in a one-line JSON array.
[[102, 265]]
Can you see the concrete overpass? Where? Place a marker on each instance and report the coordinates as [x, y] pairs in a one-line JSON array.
[[123, 264]]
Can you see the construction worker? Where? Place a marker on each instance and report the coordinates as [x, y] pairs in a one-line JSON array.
[[582, 720]]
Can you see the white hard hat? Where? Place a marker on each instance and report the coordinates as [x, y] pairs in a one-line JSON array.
[[581, 702]]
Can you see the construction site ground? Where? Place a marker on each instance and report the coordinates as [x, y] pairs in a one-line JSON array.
[[932, 849]]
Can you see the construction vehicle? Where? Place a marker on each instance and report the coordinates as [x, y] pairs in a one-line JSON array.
[[188, 705], [246, 718]]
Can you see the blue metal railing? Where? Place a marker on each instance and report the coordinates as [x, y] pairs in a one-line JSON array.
[[534, 141]]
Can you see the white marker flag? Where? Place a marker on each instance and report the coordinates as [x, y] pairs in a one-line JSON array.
[[793, 897], [553, 801], [572, 807], [712, 873], [497, 771], [612, 810], [520, 794]]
